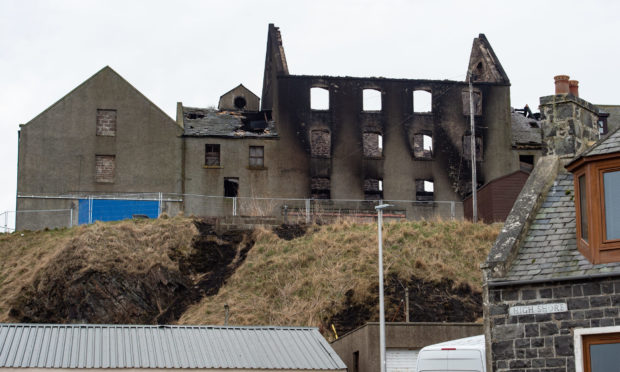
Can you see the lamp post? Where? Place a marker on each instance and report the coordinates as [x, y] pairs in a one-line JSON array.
[[379, 209]]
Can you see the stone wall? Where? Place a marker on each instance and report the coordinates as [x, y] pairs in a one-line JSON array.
[[544, 342], [569, 124]]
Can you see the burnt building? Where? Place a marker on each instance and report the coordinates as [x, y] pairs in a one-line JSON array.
[[368, 139]]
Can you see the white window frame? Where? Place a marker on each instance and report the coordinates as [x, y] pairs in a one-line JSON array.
[[578, 344]]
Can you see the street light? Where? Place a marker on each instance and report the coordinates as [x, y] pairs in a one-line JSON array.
[[380, 209]]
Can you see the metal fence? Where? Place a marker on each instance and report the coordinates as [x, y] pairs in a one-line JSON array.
[[72, 209]]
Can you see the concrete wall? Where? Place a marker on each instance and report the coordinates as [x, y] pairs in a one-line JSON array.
[[539, 341], [57, 149], [365, 340]]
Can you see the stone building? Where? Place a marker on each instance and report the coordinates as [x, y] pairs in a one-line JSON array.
[[552, 279], [372, 139]]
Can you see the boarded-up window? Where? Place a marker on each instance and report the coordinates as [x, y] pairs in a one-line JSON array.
[[373, 145], [477, 102], [257, 156], [467, 148], [422, 146], [106, 122], [373, 189], [320, 187], [104, 168], [212, 155], [424, 190], [320, 143]]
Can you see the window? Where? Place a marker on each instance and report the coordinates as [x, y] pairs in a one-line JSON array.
[[257, 156], [597, 197], [212, 155], [373, 145], [477, 102], [601, 352], [319, 98], [372, 100], [526, 162], [320, 188], [106, 123], [320, 143], [424, 190], [422, 101], [422, 146], [373, 189], [231, 187], [240, 102], [467, 148], [105, 166], [602, 123]]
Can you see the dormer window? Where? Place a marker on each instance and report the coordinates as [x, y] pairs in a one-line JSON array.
[[597, 202]]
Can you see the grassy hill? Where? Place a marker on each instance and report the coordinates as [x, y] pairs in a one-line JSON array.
[[181, 270]]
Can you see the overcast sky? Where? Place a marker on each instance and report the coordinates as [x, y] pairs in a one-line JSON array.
[[194, 51]]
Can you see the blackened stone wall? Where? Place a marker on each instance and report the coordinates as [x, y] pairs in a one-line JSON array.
[[544, 342]]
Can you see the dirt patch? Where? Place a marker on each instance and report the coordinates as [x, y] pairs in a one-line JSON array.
[[76, 288], [428, 302], [290, 232]]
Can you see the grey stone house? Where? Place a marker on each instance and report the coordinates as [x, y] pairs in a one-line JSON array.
[[552, 279]]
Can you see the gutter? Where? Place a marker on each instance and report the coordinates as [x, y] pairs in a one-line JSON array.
[[508, 283]]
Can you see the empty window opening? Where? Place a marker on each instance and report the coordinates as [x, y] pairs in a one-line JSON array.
[[372, 100], [422, 146], [319, 98], [373, 145], [422, 101], [320, 188], [105, 166], [477, 101], [534, 124], [424, 190], [478, 72], [467, 148], [106, 123], [240, 102], [320, 143], [526, 162], [194, 116], [257, 156], [212, 155], [373, 189], [231, 187]]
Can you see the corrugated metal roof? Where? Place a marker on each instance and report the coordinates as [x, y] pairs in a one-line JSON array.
[[140, 346]]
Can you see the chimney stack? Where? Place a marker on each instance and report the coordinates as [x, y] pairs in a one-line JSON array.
[[573, 85], [561, 84]]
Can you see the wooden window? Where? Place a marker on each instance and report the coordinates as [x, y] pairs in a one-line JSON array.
[[212, 155], [601, 352], [105, 167], [597, 197], [257, 156]]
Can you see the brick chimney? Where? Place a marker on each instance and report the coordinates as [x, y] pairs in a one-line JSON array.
[[573, 86], [561, 84]]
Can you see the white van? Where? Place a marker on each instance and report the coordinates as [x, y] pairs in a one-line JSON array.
[[462, 355]]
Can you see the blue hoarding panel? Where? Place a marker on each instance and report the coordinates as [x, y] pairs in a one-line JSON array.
[[114, 210]]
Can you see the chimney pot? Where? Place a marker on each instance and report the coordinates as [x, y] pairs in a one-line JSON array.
[[561, 84], [573, 86]]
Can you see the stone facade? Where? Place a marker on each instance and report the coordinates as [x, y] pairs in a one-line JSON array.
[[544, 342], [569, 124]]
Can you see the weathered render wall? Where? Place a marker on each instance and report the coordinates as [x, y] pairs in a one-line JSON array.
[[58, 148], [545, 341]]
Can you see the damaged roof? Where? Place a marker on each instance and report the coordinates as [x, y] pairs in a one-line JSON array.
[[206, 122], [525, 131]]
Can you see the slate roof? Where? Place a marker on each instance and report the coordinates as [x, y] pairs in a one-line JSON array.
[[607, 145], [140, 346], [550, 247], [203, 122], [525, 131]]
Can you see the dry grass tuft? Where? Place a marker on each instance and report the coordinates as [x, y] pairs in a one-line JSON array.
[[305, 281]]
